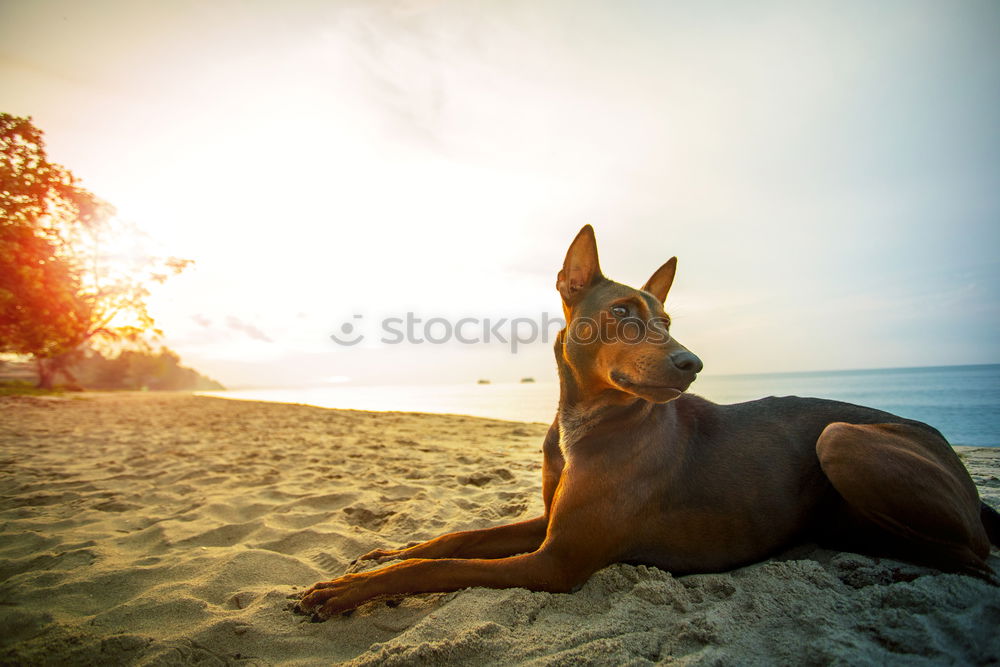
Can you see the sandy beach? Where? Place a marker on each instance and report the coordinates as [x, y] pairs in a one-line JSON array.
[[155, 529]]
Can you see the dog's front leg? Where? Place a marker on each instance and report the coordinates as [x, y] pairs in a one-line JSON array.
[[496, 542], [541, 570]]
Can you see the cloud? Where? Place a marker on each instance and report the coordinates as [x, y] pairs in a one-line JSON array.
[[237, 324]]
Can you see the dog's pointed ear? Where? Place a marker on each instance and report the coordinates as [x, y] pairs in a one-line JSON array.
[[581, 268], [659, 283]]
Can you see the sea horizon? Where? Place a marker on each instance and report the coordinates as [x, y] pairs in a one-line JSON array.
[[534, 379], [962, 401]]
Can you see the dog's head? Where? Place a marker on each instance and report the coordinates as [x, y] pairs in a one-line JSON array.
[[618, 337]]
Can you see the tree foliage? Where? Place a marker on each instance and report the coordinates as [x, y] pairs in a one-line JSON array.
[[59, 288]]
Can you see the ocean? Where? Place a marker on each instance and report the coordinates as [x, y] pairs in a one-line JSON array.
[[963, 402]]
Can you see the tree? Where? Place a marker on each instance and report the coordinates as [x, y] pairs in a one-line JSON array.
[[58, 291]]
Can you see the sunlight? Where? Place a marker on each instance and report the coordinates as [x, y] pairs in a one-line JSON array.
[[375, 162]]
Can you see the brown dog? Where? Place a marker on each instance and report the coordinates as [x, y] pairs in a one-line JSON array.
[[637, 471]]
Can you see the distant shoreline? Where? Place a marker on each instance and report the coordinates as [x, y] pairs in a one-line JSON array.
[[259, 387], [961, 401], [868, 371]]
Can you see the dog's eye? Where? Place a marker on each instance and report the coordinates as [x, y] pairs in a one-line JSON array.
[[619, 311]]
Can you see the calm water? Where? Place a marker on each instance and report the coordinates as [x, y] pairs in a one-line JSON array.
[[963, 402]]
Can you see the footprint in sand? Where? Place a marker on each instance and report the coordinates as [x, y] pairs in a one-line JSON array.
[[66, 560], [485, 477], [242, 600], [223, 536], [513, 508], [366, 518], [328, 501], [326, 561], [116, 506]]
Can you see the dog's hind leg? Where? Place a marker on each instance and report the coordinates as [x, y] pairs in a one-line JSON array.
[[907, 481]]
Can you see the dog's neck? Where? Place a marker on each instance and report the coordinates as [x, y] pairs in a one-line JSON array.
[[585, 415]]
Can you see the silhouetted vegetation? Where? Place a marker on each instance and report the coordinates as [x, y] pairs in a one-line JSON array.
[[134, 369], [60, 290], [131, 369]]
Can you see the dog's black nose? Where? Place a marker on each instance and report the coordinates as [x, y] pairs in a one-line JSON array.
[[686, 361]]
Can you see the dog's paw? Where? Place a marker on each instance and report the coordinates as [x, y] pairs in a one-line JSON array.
[[380, 555], [329, 598]]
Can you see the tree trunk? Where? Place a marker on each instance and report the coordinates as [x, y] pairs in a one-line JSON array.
[[52, 367], [46, 374]]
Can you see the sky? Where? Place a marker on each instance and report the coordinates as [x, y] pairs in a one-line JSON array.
[[828, 173]]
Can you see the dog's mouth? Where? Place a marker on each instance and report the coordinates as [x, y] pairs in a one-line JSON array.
[[659, 393]]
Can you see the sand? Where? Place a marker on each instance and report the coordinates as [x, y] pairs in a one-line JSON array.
[[157, 529]]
